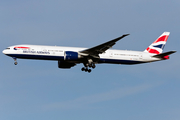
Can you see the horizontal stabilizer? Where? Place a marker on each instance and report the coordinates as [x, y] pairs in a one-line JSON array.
[[164, 54]]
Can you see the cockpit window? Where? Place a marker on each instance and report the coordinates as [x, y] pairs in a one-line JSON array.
[[7, 48]]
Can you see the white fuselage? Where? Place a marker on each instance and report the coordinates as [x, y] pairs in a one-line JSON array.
[[58, 53]]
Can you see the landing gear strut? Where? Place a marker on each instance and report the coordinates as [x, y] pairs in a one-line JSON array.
[[15, 61]]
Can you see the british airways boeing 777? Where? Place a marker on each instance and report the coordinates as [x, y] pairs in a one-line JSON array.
[[68, 57]]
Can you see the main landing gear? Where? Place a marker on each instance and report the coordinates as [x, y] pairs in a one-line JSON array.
[[15, 61], [85, 68]]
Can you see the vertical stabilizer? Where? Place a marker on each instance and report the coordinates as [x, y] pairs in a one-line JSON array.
[[158, 45]]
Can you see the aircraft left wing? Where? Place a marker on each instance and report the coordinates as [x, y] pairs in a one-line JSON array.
[[102, 47]]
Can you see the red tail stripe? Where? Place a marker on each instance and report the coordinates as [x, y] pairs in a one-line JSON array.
[[152, 51], [162, 38]]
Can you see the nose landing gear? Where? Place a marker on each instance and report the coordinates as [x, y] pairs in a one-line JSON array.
[[15, 61]]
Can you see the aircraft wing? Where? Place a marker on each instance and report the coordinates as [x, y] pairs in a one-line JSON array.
[[102, 47]]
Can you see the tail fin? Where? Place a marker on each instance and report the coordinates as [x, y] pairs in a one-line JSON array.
[[158, 45]]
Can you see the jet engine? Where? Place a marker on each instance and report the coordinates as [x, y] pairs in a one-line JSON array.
[[63, 64]]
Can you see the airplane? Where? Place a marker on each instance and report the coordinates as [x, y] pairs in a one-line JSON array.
[[68, 57]]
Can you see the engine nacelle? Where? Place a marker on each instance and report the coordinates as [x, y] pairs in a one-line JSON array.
[[71, 56], [63, 64]]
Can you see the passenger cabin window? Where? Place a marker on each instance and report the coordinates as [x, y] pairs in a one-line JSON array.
[[55, 50], [7, 48], [125, 54]]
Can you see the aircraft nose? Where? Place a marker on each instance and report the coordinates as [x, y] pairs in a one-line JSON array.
[[4, 52]]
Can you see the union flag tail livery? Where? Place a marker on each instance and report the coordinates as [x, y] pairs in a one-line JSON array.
[[158, 45], [68, 57]]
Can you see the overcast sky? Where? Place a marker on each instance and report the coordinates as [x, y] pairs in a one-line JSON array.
[[37, 89]]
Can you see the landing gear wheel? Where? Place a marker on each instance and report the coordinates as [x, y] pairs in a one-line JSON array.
[[83, 69], [86, 69], [15, 63], [89, 70]]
